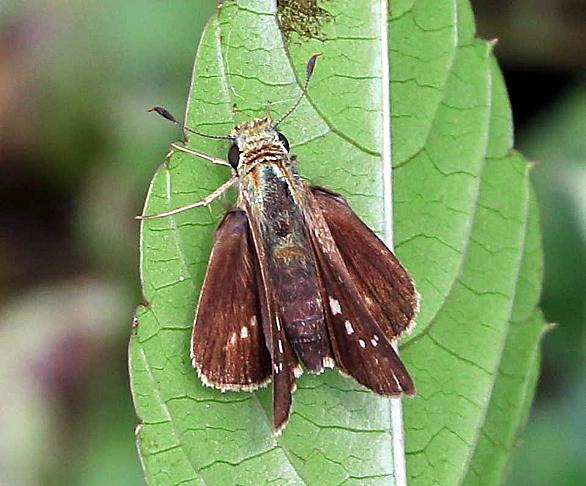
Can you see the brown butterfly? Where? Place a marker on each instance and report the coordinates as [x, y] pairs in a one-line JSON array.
[[295, 280]]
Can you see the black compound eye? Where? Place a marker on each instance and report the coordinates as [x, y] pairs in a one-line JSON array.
[[234, 156], [284, 141]]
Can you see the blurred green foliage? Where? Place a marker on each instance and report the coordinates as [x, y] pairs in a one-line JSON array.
[[554, 448], [76, 80]]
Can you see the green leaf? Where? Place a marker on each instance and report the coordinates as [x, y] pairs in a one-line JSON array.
[[514, 384], [465, 226]]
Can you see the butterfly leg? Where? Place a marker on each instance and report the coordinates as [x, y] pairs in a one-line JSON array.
[[213, 160], [206, 201]]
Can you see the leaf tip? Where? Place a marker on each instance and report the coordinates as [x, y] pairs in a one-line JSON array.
[[547, 328], [533, 163]]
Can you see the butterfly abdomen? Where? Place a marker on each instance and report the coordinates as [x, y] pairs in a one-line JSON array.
[[277, 210]]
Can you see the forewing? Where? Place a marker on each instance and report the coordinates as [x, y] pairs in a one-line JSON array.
[[361, 347], [284, 364], [385, 286], [285, 370], [227, 346]]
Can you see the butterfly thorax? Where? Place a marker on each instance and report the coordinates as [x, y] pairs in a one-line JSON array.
[[259, 142]]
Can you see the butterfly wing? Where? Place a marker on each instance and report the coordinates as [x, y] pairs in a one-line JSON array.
[[362, 345], [227, 346], [386, 287], [284, 363], [284, 372]]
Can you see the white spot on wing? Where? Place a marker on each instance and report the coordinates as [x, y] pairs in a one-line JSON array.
[[362, 343], [335, 306], [278, 323], [374, 342], [349, 328], [276, 368], [244, 332], [280, 343], [233, 339], [253, 321]]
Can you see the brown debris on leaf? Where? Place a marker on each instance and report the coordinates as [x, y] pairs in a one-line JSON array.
[[304, 17]]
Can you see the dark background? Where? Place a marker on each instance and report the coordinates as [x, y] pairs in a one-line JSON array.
[[77, 150]]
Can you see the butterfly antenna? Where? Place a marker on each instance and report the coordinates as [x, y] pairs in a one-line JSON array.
[[310, 68], [167, 115]]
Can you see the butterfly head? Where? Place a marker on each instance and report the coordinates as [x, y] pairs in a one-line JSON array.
[[254, 138]]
